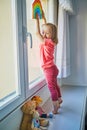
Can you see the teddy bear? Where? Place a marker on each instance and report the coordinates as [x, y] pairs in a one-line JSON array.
[[42, 113], [31, 119], [28, 110]]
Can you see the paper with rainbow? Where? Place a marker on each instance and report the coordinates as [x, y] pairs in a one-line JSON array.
[[37, 9]]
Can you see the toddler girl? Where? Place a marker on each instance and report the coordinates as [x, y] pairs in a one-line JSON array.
[[48, 40]]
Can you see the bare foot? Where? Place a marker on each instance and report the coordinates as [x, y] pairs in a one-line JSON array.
[[55, 112], [60, 100], [56, 107]]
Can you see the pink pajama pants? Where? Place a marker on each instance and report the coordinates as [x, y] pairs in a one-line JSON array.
[[51, 79]]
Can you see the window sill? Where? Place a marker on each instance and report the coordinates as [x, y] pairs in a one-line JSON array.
[[73, 109]]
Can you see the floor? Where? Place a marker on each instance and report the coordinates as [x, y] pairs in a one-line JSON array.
[[71, 111]]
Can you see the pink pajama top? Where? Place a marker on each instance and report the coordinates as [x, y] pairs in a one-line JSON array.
[[47, 53]]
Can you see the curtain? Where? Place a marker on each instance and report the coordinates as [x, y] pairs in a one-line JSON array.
[[67, 5], [63, 47]]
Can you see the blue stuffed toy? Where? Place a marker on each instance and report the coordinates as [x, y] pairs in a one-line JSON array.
[[35, 120], [36, 123]]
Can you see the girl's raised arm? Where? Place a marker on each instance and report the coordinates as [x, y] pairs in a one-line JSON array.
[[38, 34], [43, 15]]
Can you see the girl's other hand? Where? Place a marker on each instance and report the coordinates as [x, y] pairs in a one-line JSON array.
[[43, 16]]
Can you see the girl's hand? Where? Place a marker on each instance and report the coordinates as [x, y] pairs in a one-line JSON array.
[[37, 17]]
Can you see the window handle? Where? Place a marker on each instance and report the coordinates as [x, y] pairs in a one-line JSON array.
[[30, 35]]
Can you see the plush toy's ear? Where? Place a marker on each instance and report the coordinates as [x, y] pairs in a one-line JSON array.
[[38, 99], [33, 98], [28, 106]]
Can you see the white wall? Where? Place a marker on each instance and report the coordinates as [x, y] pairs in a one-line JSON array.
[[52, 11], [78, 45]]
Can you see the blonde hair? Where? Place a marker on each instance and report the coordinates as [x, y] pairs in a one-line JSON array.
[[54, 32]]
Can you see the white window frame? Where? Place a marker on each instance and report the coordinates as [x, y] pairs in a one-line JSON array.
[[30, 88], [16, 100]]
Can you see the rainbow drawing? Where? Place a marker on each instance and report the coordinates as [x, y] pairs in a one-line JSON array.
[[37, 9]]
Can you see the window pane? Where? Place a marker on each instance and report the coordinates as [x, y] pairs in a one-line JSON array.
[[35, 71], [8, 49]]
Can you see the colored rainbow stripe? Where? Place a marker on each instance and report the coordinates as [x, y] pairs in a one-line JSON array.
[[37, 9]]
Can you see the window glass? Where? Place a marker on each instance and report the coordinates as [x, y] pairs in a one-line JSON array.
[[35, 72], [8, 49]]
